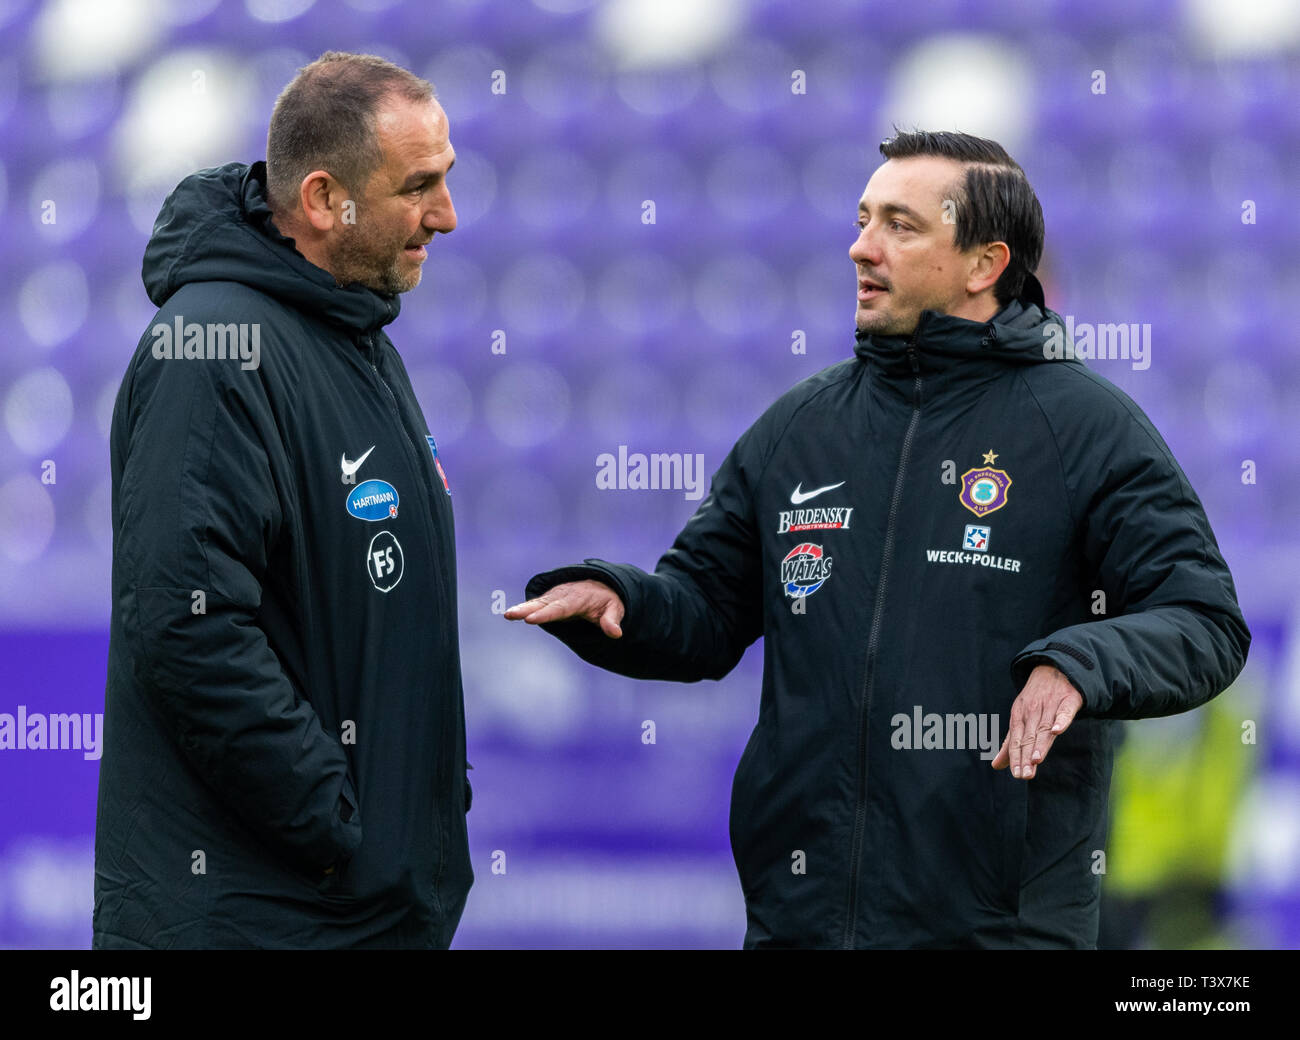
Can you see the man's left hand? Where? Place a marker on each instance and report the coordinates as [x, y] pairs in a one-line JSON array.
[[1045, 707]]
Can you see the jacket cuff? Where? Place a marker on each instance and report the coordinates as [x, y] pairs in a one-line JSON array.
[[588, 570], [1071, 663], [585, 639]]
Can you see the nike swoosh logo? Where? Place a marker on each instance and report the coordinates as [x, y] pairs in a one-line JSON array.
[[350, 468], [799, 495]]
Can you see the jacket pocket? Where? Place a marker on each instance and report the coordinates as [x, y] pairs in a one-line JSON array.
[[349, 808], [335, 881]]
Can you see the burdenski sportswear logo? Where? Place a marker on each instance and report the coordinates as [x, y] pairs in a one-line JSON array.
[[835, 518]]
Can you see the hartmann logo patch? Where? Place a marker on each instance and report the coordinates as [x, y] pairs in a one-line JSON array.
[[373, 500]]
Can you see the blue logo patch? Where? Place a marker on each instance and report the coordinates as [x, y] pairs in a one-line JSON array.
[[977, 538], [373, 500]]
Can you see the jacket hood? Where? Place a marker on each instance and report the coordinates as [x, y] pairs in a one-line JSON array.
[[216, 226], [1024, 332]]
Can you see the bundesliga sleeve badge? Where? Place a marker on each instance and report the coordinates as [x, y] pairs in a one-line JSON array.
[[437, 462]]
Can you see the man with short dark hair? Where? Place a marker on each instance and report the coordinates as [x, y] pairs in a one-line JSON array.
[[284, 760], [963, 549]]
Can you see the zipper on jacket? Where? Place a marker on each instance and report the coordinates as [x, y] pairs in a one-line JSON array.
[[392, 397], [372, 344], [873, 644]]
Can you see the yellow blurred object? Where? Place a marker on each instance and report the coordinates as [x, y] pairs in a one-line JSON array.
[[1177, 784]]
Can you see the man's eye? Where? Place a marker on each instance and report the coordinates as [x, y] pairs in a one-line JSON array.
[[859, 226], [896, 224]]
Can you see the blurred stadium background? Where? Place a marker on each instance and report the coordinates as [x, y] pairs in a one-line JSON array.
[[752, 125]]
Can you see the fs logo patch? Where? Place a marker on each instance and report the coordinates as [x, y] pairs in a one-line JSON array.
[[384, 561], [437, 463], [804, 569], [984, 490], [977, 538]]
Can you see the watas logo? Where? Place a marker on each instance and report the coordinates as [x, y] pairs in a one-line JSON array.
[[804, 569], [984, 490]]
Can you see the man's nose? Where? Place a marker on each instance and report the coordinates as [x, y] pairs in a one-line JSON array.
[[442, 213], [866, 248]]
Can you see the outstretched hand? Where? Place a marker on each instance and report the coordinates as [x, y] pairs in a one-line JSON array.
[[1045, 707], [593, 600]]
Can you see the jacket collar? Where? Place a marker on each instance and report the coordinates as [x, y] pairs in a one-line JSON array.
[[941, 341]]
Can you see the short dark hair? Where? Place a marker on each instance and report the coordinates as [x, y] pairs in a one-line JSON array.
[[325, 120], [993, 200]]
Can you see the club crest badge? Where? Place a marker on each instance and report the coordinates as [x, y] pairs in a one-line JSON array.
[[984, 490]]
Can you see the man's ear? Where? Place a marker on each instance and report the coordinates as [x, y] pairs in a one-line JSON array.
[[321, 198], [990, 261]]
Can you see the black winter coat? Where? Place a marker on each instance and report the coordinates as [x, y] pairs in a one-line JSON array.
[[912, 531], [284, 689]]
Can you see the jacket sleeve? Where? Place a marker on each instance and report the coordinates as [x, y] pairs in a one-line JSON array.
[[198, 516], [694, 617], [1172, 635]]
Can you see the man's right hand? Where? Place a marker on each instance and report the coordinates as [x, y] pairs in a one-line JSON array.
[[593, 600]]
